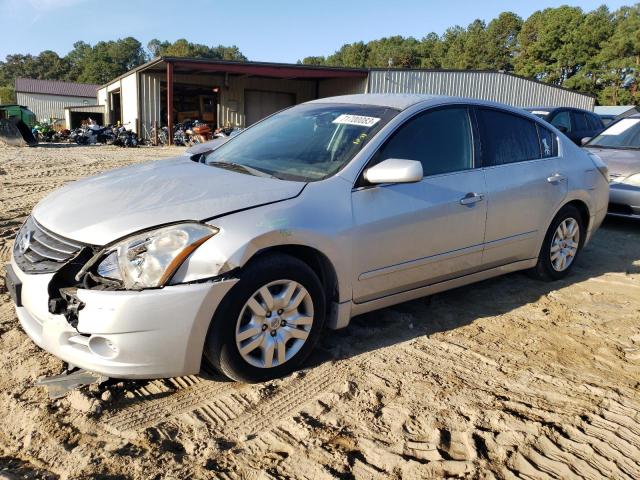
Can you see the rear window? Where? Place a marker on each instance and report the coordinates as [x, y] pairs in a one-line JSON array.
[[548, 142], [507, 138]]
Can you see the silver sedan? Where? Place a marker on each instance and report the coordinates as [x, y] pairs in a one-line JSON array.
[[619, 147], [321, 212]]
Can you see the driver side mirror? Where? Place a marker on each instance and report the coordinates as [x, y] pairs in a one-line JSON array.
[[585, 140], [394, 170]]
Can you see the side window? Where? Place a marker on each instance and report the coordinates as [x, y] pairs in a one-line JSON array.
[[548, 142], [562, 119], [440, 139], [580, 121], [507, 138], [595, 122]]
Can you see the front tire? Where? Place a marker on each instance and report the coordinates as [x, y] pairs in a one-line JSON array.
[[268, 323], [562, 245]]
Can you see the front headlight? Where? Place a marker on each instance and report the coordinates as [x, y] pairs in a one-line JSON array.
[[633, 180], [149, 259]]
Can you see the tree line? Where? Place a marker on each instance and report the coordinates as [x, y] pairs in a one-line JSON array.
[[101, 62], [595, 52]]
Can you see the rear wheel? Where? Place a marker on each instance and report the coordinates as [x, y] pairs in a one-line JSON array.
[[561, 246], [269, 322]]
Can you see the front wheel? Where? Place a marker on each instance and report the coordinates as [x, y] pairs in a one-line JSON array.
[[269, 322], [561, 246]]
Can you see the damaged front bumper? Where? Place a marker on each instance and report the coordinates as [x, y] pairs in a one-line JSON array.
[[152, 333]]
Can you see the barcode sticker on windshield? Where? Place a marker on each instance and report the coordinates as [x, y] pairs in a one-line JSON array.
[[358, 120]]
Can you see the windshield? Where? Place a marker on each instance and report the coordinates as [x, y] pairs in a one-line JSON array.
[[304, 143], [624, 133]]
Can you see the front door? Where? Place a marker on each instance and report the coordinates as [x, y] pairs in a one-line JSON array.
[[412, 235]]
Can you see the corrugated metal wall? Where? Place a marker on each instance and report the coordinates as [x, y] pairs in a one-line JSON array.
[[495, 86], [50, 106]]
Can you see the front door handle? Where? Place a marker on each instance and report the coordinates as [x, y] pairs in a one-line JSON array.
[[471, 198], [556, 178]]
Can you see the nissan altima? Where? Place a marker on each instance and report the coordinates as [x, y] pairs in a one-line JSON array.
[[329, 209]]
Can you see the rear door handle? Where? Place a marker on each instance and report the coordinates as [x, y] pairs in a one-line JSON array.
[[556, 178], [471, 198]]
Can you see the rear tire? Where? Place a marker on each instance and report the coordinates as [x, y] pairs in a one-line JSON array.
[[561, 246], [258, 335]]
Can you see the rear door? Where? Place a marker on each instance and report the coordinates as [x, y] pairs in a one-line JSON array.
[[524, 185], [414, 234]]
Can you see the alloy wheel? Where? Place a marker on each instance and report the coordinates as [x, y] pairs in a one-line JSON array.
[[564, 245], [274, 324]]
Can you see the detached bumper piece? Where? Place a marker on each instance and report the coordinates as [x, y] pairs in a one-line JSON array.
[[59, 385]]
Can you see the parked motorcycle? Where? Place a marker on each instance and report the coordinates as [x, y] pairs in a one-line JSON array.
[[125, 138]]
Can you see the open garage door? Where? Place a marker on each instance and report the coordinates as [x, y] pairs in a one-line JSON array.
[[259, 104]]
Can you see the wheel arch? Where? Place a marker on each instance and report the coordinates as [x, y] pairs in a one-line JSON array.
[[315, 259], [583, 208]]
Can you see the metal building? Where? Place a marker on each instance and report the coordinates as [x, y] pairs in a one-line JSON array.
[[48, 98], [485, 85], [167, 90]]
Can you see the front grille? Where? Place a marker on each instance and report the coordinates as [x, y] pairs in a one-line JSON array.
[[38, 250]]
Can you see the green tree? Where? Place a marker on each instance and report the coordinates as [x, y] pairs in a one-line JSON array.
[[547, 45], [313, 61], [7, 95], [351, 55], [184, 48], [502, 41], [620, 59]]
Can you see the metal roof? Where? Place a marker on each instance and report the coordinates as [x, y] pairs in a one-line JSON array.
[[55, 87]]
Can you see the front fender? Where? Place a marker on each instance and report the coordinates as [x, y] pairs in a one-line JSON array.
[[320, 218]]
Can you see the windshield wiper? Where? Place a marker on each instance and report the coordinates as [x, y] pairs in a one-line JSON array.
[[242, 168]]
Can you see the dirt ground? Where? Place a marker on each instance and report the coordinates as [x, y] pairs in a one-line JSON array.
[[507, 378]]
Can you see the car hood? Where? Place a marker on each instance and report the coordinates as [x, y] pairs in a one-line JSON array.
[[621, 162], [103, 208], [206, 147]]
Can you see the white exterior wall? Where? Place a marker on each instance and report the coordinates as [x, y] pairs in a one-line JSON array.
[[50, 106], [103, 99], [129, 99]]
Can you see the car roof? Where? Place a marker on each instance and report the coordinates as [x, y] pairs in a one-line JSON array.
[[402, 101], [555, 109]]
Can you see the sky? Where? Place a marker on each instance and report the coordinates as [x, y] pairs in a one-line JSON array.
[[273, 30]]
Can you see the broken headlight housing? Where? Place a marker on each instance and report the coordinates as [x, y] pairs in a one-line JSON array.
[[149, 259]]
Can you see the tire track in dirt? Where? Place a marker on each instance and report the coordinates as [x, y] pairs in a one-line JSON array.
[[151, 408], [222, 407]]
